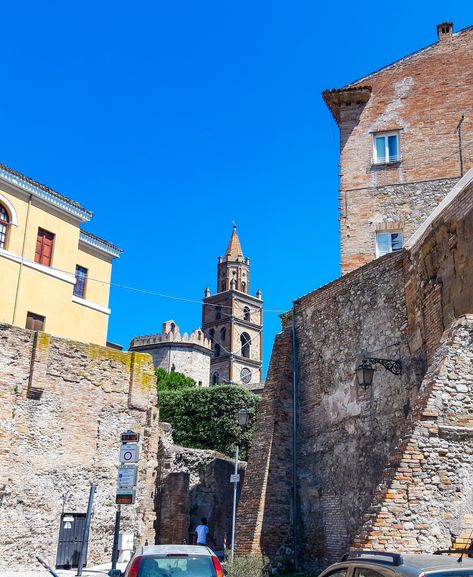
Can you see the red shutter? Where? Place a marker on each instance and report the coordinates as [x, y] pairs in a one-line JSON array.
[[44, 247]]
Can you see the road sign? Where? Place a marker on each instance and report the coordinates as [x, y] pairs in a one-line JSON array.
[[129, 453], [234, 478], [130, 437], [125, 496], [126, 476]]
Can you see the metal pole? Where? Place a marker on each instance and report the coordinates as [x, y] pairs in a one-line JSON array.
[[295, 520], [116, 533], [235, 486], [85, 535], [460, 151]]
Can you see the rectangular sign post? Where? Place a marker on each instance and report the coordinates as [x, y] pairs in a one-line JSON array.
[[126, 482]]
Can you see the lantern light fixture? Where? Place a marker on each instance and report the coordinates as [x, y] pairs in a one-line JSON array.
[[365, 370]]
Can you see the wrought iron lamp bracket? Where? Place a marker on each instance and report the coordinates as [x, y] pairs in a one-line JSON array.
[[393, 367]]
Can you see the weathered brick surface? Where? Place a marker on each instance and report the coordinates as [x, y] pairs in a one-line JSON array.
[[63, 406], [193, 483], [424, 501], [423, 96], [406, 438], [265, 509]]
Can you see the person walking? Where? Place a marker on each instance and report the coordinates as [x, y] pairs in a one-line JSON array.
[[202, 534]]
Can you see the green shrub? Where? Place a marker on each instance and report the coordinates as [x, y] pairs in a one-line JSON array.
[[246, 566], [207, 417], [172, 381]]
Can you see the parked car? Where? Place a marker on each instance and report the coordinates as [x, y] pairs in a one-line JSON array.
[[382, 564], [172, 561]]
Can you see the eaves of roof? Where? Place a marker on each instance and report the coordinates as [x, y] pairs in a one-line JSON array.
[[353, 85], [100, 244], [44, 193]]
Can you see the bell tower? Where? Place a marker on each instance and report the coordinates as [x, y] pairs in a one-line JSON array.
[[233, 320]]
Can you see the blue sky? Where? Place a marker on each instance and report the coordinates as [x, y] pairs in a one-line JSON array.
[[170, 119]]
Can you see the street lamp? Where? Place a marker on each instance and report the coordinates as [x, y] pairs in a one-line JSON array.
[[243, 418], [365, 370]]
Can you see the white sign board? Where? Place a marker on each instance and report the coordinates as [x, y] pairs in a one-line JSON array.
[[234, 478], [129, 453], [126, 476]]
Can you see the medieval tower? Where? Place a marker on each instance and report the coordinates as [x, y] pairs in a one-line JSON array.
[[233, 320]]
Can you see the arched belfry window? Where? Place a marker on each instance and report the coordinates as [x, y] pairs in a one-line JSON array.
[[217, 350], [212, 334], [4, 224], [218, 312], [245, 345], [247, 314], [223, 334], [215, 379]]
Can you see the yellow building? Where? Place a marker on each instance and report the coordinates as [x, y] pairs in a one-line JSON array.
[[53, 275]]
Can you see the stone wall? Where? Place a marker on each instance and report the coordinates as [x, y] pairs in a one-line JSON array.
[[425, 500], [63, 406], [193, 483], [366, 457]]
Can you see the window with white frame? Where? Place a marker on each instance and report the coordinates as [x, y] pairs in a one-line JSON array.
[[388, 242], [386, 148]]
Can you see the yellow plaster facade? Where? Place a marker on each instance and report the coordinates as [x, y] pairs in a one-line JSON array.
[[29, 286]]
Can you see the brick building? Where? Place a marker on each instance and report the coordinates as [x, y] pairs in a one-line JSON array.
[[233, 319], [336, 462], [400, 150]]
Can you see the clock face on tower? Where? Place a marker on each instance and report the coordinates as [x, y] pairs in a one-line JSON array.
[[245, 375]]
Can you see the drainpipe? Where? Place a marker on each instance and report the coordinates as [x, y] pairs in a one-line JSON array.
[[295, 519], [21, 261]]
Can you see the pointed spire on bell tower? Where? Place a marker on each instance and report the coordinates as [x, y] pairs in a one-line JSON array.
[[233, 268], [234, 251]]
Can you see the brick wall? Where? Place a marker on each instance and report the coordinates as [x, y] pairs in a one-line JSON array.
[[63, 406], [405, 436], [424, 501], [265, 508], [193, 483], [423, 96]]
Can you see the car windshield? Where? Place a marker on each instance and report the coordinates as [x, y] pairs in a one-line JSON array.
[[176, 566]]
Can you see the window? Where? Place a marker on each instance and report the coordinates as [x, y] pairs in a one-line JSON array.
[[216, 350], [4, 224], [44, 247], [245, 345], [215, 379], [243, 287], [212, 335], [388, 242], [367, 572], [247, 314], [386, 148], [81, 281], [223, 334], [218, 312], [35, 322]]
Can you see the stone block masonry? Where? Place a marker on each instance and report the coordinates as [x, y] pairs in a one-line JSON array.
[[425, 500], [63, 406]]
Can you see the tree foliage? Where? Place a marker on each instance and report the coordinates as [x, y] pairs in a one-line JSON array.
[[207, 417], [172, 381]]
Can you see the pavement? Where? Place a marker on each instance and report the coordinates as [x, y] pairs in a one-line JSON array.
[[97, 571]]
